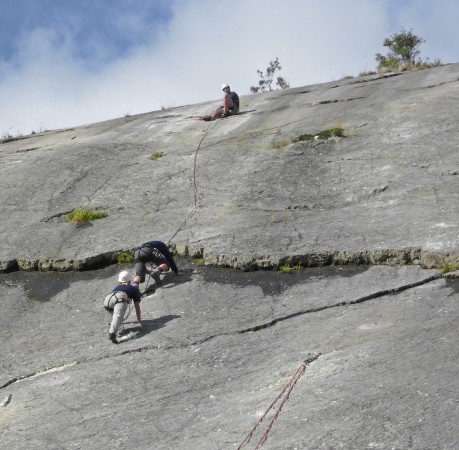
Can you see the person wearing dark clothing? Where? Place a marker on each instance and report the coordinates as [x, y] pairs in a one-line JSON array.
[[116, 302], [155, 252], [230, 105]]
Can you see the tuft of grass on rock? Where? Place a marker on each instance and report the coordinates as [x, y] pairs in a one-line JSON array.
[[365, 73], [448, 267], [324, 134], [156, 155], [124, 258], [287, 268], [279, 144], [200, 261], [327, 134], [85, 215], [303, 137]]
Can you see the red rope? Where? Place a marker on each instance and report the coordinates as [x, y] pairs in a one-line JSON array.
[[287, 390]]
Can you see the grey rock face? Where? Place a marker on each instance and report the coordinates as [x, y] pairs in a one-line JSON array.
[[368, 319], [238, 191], [217, 347]]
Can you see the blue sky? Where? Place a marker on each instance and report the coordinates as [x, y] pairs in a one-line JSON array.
[[66, 63]]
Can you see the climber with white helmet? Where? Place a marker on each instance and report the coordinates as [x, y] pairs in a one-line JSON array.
[[116, 303], [230, 105]]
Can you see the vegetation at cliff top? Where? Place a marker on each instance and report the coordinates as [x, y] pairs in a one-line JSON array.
[[266, 79], [403, 53]]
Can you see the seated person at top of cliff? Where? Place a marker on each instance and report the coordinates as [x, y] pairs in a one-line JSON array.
[[230, 105]]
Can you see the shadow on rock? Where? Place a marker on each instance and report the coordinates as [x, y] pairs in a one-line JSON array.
[[170, 279], [148, 326]]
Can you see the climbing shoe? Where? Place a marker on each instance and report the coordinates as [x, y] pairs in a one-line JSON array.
[[149, 290], [157, 279], [112, 337]]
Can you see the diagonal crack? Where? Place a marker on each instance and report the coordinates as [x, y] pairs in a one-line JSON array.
[[263, 326], [363, 299]]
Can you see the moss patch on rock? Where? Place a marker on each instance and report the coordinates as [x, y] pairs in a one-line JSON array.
[[85, 215]]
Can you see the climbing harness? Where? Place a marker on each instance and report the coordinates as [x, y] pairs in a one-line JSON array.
[[113, 298], [285, 393]]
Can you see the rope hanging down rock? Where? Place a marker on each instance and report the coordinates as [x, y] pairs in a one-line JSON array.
[[285, 393], [195, 186]]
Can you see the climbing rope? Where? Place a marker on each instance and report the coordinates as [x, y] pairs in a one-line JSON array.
[[195, 186], [191, 214], [193, 211], [285, 393], [148, 281]]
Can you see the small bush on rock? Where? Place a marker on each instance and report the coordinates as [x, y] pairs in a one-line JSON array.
[[403, 54], [124, 258], [85, 215], [156, 155], [266, 79], [287, 268], [324, 134], [448, 267]]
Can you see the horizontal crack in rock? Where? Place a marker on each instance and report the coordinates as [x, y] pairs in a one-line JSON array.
[[352, 302], [247, 330]]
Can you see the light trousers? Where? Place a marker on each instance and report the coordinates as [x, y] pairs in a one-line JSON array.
[[119, 310]]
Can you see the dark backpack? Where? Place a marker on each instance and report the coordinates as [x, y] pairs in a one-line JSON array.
[[235, 99]]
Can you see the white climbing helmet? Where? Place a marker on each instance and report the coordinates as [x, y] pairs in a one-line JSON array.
[[124, 277], [224, 86]]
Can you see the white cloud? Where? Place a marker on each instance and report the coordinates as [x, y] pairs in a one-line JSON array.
[[207, 43]]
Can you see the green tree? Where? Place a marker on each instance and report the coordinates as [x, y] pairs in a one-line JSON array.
[[404, 49], [266, 79]]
